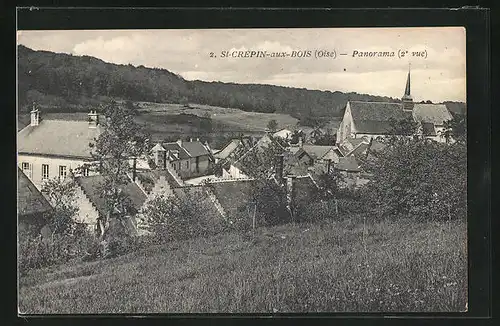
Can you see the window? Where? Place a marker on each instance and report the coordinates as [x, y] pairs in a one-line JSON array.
[[187, 164], [27, 169], [85, 172], [62, 172], [45, 171]]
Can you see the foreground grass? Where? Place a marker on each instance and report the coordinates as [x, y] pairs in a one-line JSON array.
[[400, 266]]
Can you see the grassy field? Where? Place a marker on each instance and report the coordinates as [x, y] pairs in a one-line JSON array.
[[161, 120], [233, 119], [399, 266]]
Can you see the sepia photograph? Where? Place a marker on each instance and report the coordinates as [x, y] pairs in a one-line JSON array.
[[257, 171]]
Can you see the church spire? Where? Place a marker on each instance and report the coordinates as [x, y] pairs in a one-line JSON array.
[[407, 99], [407, 93]]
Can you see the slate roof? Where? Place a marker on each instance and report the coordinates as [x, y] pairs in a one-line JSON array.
[[183, 154], [428, 129], [228, 149], [29, 199], [91, 185], [349, 164], [195, 148], [375, 117], [58, 137], [431, 113], [317, 151]]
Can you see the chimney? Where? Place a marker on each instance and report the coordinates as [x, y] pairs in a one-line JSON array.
[[35, 116], [93, 119], [179, 142], [134, 168], [279, 167], [329, 165], [300, 141]]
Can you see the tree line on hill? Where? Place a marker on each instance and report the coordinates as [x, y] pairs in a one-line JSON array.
[[66, 83]]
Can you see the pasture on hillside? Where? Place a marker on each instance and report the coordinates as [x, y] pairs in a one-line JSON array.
[[333, 266]]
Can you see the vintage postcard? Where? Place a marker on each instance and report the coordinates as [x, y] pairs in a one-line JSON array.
[[263, 171]]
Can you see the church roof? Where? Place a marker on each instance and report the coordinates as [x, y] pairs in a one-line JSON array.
[[431, 113]]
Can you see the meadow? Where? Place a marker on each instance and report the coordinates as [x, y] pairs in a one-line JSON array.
[[163, 120], [332, 266]]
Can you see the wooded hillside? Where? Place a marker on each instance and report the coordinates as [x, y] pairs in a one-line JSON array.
[[66, 83]]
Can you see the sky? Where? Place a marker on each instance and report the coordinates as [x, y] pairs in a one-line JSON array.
[[440, 76]]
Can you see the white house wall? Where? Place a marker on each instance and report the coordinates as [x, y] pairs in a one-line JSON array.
[[87, 213], [36, 162]]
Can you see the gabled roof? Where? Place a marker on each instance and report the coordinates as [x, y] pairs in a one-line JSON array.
[[158, 148], [195, 148], [183, 154], [58, 137], [316, 151], [29, 199], [431, 113], [91, 186], [349, 164], [428, 129], [375, 117], [228, 149]]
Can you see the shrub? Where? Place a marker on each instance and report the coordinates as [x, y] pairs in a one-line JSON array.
[[36, 251], [422, 179], [172, 218]]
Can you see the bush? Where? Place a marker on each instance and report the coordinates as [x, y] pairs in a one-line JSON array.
[[172, 218], [36, 251], [425, 180]]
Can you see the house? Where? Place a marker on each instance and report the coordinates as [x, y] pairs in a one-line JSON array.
[[233, 147], [236, 197], [311, 154], [189, 159], [283, 133], [350, 169], [52, 148], [373, 119], [247, 161], [32, 206], [92, 204]]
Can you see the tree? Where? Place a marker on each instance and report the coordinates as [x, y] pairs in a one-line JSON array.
[[403, 127], [172, 218], [61, 195], [424, 180], [316, 133], [120, 140], [455, 128], [272, 125]]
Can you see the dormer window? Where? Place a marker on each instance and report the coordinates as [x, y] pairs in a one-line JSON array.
[[175, 154]]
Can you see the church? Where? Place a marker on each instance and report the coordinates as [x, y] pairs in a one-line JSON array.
[[373, 119]]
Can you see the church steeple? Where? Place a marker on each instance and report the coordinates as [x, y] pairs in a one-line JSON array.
[[407, 99]]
